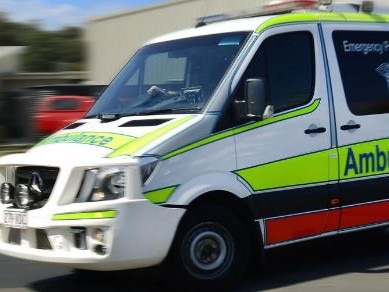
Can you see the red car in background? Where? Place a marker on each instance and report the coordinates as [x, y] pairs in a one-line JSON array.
[[57, 111]]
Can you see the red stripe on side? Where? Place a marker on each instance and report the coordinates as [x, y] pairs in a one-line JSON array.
[[364, 215], [300, 226], [333, 220]]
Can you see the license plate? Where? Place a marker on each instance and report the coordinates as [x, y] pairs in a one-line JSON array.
[[15, 219]]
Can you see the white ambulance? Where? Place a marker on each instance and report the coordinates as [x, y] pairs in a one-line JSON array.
[[214, 144]]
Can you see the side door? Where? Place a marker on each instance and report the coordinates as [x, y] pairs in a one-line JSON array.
[[287, 160], [358, 56]]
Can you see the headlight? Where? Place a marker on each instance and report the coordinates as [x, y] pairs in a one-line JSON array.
[[23, 198], [102, 184], [147, 166], [112, 185], [7, 192]]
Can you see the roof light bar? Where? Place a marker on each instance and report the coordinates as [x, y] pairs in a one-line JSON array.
[[289, 5], [325, 2], [272, 7], [325, 5]]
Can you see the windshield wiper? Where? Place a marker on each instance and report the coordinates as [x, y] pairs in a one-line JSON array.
[[109, 117], [166, 110]]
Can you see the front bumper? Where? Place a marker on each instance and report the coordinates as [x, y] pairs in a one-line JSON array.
[[137, 234]]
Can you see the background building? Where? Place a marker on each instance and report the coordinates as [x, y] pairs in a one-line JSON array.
[[112, 39], [10, 59]]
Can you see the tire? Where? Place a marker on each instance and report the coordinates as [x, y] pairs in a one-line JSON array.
[[210, 251]]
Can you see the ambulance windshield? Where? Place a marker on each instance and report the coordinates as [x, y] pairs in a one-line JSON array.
[[175, 76]]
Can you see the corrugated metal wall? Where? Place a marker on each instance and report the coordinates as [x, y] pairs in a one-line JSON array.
[[114, 38]]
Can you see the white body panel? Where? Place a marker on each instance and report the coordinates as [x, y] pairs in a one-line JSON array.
[[289, 136]]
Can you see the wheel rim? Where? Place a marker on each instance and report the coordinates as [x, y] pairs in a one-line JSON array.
[[208, 250]]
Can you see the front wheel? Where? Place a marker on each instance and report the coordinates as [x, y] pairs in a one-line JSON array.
[[211, 249]]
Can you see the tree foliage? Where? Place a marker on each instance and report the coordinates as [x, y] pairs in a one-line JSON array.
[[47, 51]]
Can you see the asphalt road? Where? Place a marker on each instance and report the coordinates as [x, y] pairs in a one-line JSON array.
[[356, 262]]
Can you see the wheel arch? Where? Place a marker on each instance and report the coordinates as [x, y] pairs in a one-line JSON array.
[[239, 208], [208, 183]]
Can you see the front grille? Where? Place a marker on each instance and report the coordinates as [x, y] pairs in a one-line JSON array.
[[79, 237], [42, 242], [15, 236], [45, 177]]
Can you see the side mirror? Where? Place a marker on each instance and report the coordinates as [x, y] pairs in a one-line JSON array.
[[255, 97], [254, 104]]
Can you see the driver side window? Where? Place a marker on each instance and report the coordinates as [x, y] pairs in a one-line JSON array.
[[290, 70], [286, 63]]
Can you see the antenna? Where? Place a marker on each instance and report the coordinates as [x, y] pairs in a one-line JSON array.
[[201, 20], [367, 6]]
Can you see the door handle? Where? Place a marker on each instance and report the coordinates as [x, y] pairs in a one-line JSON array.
[[315, 130], [350, 127]]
